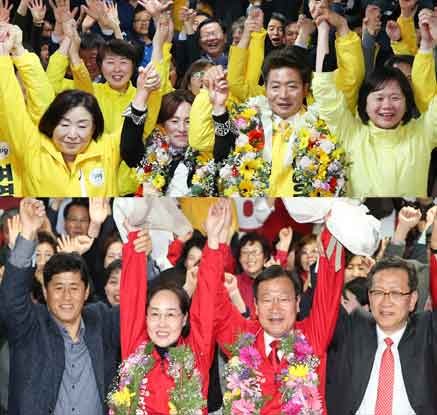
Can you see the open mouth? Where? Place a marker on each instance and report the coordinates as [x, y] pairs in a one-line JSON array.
[[117, 78]]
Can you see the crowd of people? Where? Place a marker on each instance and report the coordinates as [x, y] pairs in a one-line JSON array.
[[220, 306], [204, 98]]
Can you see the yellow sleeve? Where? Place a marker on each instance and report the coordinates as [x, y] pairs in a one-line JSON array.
[[424, 79], [155, 98], [81, 78], [333, 107], [237, 63], [201, 134], [39, 92], [351, 70], [429, 120], [408, 43], [256, 57], [16, 121], [177, 6], [56, 69]]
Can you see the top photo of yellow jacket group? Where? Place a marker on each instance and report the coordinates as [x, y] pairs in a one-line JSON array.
[[227, 98]]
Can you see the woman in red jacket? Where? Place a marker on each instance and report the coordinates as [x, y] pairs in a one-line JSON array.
[[167, 345]]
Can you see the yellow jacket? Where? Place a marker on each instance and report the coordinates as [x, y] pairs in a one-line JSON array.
[[385, 163], [408, 43], [39, 95], [58, 64], [423, 79], [45, 173]]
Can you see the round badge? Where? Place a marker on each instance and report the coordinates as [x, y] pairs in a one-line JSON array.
[[4, 150], [97, 176]]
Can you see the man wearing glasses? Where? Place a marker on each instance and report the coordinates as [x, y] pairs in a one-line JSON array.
[[387, 358]]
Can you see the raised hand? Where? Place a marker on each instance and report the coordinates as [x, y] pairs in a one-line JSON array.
[[32, 214], [5, 11], [317, 8], [17, 39], [38, 10], [431, 215], [143, 242], [111, 12], [79, 244], [393, 31], [99, 209], [215, 80], [231, 283], [214, 223], [95, 9], [285, 238], [306, 26], [191, 278], [155, 7], [225, 234], [148, 81], [271, 261], [409, 217], [14, 228]]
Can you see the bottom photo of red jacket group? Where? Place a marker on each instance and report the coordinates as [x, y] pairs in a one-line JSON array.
[[191, 306]]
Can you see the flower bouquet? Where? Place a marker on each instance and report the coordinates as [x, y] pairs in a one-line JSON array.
[[205, 173]]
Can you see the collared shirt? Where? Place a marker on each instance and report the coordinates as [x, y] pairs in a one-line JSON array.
[[401, 404], [78, 393], [267, 340]]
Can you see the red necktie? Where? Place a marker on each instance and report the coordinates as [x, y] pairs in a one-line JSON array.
[[273, 355], [384, 398]]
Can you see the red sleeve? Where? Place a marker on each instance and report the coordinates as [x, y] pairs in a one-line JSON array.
[[282, 257], [319, 326], [433, 281], [228, 258], [133, 297], [175, 251]]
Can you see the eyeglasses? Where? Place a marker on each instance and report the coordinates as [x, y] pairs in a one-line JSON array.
[[78, 220], [198, 75], [395, 296], [247, 254], [170, 317]]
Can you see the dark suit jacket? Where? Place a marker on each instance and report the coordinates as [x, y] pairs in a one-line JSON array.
[[37, 347], [355, 344]]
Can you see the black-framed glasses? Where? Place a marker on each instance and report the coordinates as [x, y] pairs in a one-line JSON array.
[[395, 296]]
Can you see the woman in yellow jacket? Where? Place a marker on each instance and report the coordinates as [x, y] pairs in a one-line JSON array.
[[389, 150], [67, 154]]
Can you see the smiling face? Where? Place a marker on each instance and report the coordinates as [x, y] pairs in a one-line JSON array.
[[165, 320], [177, 126], [77, 221], [291, 33], [113, 252], [387, 106], [112, 287], [275, 31], [285, 91], [309, 255], [193, 257], [212, 39], [44, 251], [276, 306], [73, 133], [141, 23], [65, 295], [356, 267], [117, 70], [391, 315], [252, 258]]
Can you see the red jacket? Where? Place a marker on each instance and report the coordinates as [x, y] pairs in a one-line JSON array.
[[318, 327], [201, 340]]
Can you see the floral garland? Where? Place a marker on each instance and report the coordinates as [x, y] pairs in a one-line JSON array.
[[245, 172], [128, 397], [205, 172], [319, 163], [298, 381], [154, 168]]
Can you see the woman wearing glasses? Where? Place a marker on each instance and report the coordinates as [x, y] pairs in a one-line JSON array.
[[168, 345]]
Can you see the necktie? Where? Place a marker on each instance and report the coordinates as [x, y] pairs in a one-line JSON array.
[[273, 355], [384, 398]]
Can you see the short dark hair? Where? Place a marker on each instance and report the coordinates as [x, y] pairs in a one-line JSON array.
[[197, 240], [171, 102], [210, 20], [66, 101], [273, 272], [396, 263], [113, 266], [250, 238], [82, 202], [66, 262], [396, 59], [287, 58], [358, 287], [181, 294], [376, 81], [279, 17], [120, 48], [91, 40]]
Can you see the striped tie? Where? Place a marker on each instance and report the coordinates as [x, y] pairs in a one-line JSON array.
[[384, 398]]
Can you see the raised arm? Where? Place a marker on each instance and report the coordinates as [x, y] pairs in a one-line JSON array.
[[15, 302], [133, 292]]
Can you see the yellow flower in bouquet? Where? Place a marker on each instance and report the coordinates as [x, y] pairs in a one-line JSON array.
[[246, 188], [246, 148], [248, 113], [298, 371], [172, 410], [158, 181], [204, 157], [247, 169], [122, 397], [324, 158], [230, 191], [304, 136]]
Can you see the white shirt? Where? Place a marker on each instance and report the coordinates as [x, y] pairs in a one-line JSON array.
[[178, 184], [401, 404], [267, 340]]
